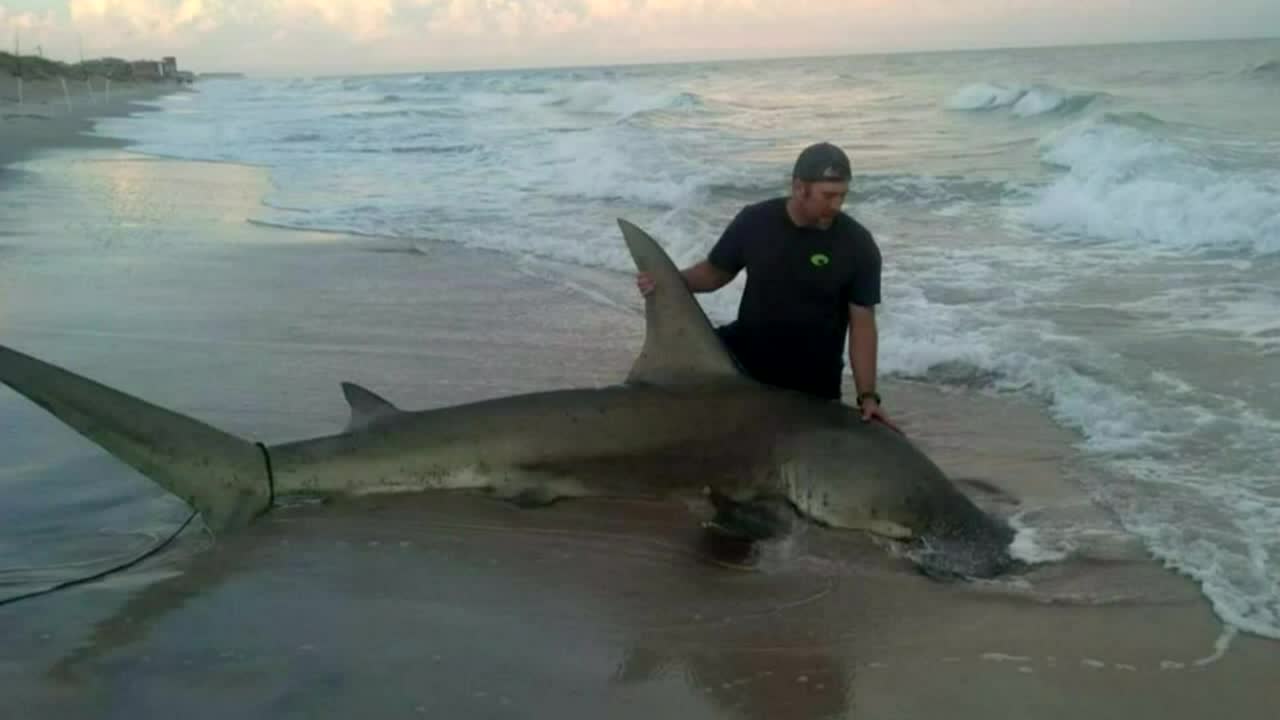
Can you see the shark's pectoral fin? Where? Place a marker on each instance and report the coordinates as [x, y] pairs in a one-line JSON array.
[[680, 345], [367, 407], [751, 517]]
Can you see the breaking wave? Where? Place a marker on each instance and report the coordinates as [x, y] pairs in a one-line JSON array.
[[1020, 100], [1126, 181]]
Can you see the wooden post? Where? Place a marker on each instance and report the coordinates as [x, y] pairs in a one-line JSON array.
[[17, 57]]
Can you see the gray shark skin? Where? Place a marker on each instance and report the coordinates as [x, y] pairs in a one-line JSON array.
[[684, 421]]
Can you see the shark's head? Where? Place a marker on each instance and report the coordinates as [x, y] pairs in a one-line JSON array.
[[896, 492], [830, 477]]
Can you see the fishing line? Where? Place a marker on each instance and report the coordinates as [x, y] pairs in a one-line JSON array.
[[97, 576], [271, 489]]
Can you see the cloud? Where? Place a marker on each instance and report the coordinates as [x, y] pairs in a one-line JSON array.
[[368, 21], [360, 20], [142, 28], [373, 35], [27, 22], [161, 18], [31, 29]]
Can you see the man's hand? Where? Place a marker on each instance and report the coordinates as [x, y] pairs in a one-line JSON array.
[[872, 410], [645, 283]]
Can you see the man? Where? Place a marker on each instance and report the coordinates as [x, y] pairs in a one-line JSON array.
[[813, 275]]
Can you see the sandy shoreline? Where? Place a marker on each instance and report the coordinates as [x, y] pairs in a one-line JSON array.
[[43, 119], [462, 607]]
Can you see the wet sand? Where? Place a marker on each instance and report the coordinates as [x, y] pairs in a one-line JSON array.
[[143, 274]]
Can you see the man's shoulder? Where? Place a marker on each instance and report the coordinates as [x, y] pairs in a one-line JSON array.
[[857, 233], [758, 220], [764, 209], [849, 225]]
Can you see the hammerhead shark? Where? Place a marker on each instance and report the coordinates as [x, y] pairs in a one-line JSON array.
[[685, 422]]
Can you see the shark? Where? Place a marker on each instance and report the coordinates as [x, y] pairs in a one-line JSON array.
[[685, 422]]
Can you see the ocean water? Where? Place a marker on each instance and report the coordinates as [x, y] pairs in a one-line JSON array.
[[1094, 228]]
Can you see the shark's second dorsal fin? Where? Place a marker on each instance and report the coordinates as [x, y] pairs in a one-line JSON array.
[[367, 407], [680, 345]]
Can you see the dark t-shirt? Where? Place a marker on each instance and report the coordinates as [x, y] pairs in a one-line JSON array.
[[794, 312]]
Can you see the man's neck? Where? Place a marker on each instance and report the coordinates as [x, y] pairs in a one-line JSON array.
[[791, 213]]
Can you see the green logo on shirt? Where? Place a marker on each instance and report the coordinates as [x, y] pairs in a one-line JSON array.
[[819, 260]]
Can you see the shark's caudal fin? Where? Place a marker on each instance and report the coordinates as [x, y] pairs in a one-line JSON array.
[[367, 407], [220, 475], [680, 345]]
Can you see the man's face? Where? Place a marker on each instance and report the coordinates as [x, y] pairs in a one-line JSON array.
[[820, 202]]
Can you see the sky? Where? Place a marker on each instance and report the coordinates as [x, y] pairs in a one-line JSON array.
[[339, 36]]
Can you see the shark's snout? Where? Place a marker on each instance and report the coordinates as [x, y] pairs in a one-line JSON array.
[[967, 544], [944, 559]]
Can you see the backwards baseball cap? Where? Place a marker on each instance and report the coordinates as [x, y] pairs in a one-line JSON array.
[[822, 162]]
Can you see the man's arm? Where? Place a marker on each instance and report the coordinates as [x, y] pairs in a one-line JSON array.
[[726, 259], [863, 347], [700, 278], [705, 277], [863, 295]]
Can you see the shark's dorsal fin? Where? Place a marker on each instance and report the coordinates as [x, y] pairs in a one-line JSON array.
[[680, 345], [367, 407]]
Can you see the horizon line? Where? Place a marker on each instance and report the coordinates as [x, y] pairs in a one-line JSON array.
[[821, 55], [782, 56]]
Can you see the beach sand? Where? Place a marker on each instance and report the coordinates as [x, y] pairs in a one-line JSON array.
[[44, 119], [143, 274]]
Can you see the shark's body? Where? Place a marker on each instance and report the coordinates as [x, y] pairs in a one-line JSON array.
[[686, 420]]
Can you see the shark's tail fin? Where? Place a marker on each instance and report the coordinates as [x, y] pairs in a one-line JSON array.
[[222, 476]]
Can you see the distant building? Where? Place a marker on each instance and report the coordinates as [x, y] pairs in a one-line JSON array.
[[147, 70], [165, 69]]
